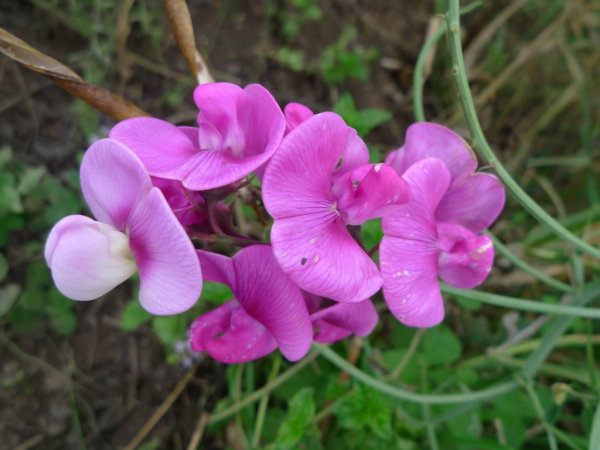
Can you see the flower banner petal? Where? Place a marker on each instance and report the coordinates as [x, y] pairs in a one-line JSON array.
[[425, 140], [296, 113], [358, 318], [163, 148], [269, 296], [217, 268], [319, 254]]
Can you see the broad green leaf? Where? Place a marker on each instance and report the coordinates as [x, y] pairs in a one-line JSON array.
[[170, 329], [371, 118], [63, 322], [30, 178], [440, 345], [134, 316], [57, 302], [293, 59], [371, 233], [216, 293], [9, 294]]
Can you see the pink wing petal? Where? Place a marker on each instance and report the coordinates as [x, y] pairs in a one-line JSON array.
[[113, 181], [298, 178], [356, 154], [242, 337], [358, 318], [429, 180], [295, 114], [270, 297], [318, 253], [411, 289], [87, 258], [193, 134], [474, 202], [164, 149], [380, 191], [425, 140], [170, 276], [465, 259], [217, 268]]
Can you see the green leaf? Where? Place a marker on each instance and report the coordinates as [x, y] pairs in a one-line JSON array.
[[371, 118], [134, 316], [301, 410], [30, 178], [440, 345], [154, 444], [169, 329], [292, 59], [63, 322], [10, 200], [3, 267], [57, 302], [595, 438], [9, 294], [371, 233], [365, 408], [216, 293]]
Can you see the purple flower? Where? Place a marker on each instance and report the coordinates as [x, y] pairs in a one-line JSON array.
[[267, 310], [436, 234], [337, 321], [239, 130], [136, 229], [312, 203]]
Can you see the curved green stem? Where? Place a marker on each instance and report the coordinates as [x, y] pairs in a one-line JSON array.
[[523, 305], [401, 394], [526, 267], [418, 79], [458, 70]]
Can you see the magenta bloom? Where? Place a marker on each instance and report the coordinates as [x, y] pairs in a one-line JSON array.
[[239, 130], [267, 310], [417, 247], [337, 321], [136, 229], [312, 203], [473, 200]]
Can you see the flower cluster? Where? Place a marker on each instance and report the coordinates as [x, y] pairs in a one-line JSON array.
[[153, 187]]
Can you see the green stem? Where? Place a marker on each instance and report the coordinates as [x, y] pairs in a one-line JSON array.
[[526, 267], [258, 394], [409, 354], [458, 70], [523, 305], [540, 412], [418, 79], [401, 394], [264, 402]]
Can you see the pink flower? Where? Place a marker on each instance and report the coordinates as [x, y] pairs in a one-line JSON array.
[[312, 202], [239, 130], [267, 310], [136, 230], [418, 246], [473, 199], [337, 321]]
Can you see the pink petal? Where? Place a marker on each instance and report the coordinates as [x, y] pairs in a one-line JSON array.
[[209, 138], [298, 178], [270, 297], [424, 140], [312, 301], [193, 134], [411, 289], [465, 259], [380, 191], [113, 181], [170, 276], [217, 268], [428, 179], [242, 338], [345, 318], [87, 258], [318, 253], [164, 149], [474, 202], [173, 192], [295, 114], [356, 154]]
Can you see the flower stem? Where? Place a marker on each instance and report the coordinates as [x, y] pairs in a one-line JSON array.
[[520, 304], [223, 239], [458, 70], [264, 402]]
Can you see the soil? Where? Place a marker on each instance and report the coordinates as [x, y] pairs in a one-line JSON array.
[[116, 381]]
